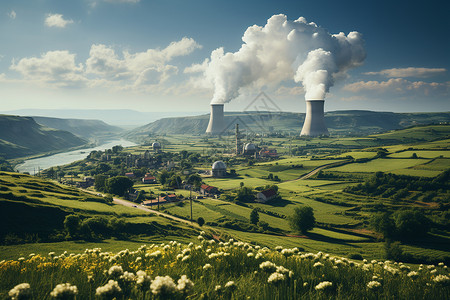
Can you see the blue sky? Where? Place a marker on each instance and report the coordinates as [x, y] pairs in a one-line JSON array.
[[134, 54]]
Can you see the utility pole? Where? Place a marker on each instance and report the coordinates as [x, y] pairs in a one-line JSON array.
[[190, 197]]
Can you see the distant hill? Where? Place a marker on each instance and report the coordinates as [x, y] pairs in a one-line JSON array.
[[83, 128], [351, 122], [22, 136], [118, 117]]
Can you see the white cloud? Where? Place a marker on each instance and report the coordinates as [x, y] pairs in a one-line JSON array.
[[141, 68], [12, 14], [409, 72], [139, 71], [56, 20], [399, 86], [56, 68]]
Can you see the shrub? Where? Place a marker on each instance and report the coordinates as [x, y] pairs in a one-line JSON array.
[[303, 219]]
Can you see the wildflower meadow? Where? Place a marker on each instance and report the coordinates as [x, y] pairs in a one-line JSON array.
[[210, 269]]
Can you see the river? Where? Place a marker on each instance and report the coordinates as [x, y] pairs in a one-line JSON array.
[[33, 165]]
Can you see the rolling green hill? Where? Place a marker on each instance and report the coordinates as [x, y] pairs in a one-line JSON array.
[[338, 122], [22, 136], [83, 128]]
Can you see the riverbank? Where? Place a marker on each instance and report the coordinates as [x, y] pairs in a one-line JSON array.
[[44, 161]]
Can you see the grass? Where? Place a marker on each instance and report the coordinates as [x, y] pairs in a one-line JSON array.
[[380, 165], [421, 154], [229, 265]]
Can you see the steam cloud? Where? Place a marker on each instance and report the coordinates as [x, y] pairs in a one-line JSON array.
[[283, 50]]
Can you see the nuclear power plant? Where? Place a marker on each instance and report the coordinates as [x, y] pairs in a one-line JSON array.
[[314, 124], [216, 124]]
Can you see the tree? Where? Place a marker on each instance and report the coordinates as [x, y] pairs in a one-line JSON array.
[[200, 221], [254, 216], [100, 182], [384, 224], [72, 225], [195, 180], [303, 219], [245, 194], [118, 185], [164, 176], [411, 224]]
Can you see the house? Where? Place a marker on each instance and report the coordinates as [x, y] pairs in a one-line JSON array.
[[129, 175], [268, 153], [88, 181], [154, 202], [208, 190], [149, 180], [266, 195]]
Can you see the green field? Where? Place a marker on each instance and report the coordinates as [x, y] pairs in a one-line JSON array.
[[380, 165], [421, 154]]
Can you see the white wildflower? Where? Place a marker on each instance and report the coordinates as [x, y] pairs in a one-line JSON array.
[[276, 278], [143, 280], [128, 276], [318, 265], [156, 254], [185, 258], [282, 270], [184, 284], [374, 285], [163, 286], [413, 274], [287, 252], [207, 267], [109, 290], [64, 291], [324, 285], [442, 279], [115, 271], [250, 254], [21, 291], [230, 285], [268, 266]]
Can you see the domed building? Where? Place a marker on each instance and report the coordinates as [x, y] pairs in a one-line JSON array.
[[219, 169], [249, 149], [156, 146]]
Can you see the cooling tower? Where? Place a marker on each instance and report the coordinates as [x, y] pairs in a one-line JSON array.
[[216, 124], [314, 121]]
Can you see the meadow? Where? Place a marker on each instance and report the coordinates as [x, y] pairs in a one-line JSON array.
[[208, 269]]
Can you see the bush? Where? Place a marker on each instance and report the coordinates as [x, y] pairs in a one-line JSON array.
[[303, 219], [200, 221]]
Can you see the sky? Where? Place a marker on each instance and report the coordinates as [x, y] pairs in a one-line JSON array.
[[157, 55]]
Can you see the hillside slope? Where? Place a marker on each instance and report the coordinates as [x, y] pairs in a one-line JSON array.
[[22, 136], [82, 128], [338, 122]]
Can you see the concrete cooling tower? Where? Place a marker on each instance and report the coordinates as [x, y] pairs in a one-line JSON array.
[[216, 124], [314, 121]]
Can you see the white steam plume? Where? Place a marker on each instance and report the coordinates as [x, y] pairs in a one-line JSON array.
[[283, 50]]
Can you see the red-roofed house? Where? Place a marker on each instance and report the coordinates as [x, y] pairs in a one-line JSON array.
[[268, 153], [129, 175], [266, 195], [149, 179], [208, 190]]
